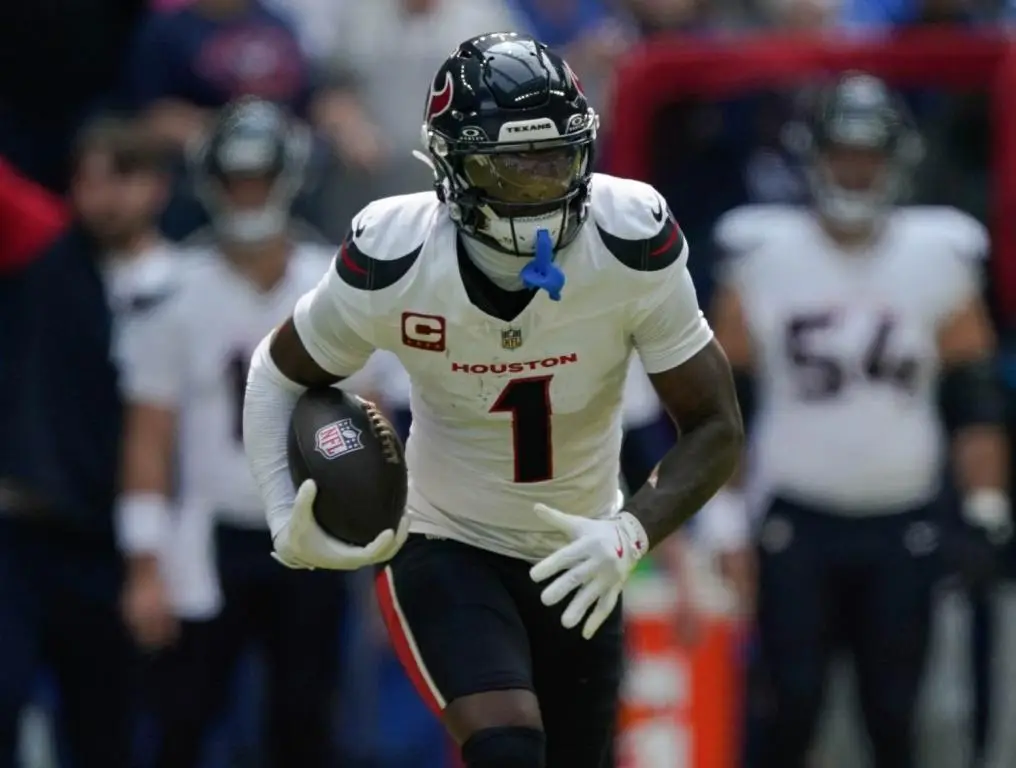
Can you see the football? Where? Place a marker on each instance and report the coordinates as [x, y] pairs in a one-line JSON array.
[[352, 453]]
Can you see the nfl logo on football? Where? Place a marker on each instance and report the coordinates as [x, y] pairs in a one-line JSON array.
[[337, 439], [511, 338]]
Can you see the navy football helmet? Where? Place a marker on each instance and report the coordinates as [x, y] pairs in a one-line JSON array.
[[249, 169], [510, 136], [861, 149]]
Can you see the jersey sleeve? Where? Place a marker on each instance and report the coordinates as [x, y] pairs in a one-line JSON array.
[[153, 351], [964, 245], [737, 234], [335, 324], [669, 326]]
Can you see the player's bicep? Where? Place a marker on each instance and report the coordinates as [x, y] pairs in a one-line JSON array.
[[294, 361], [964, 328], [700, 390], [326, 338], [670, 328]]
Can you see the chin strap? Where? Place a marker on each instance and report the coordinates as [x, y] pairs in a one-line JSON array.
[[541, 272]]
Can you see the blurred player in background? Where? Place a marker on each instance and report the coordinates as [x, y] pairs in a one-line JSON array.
[[184, 458], [852, 318], [514, 296], [60, 418]]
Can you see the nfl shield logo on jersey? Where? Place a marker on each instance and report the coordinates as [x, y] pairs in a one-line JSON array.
[[511, 338], [337, 439]]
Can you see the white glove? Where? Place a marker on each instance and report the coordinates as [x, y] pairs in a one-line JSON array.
[[302, 544], [597, 562]]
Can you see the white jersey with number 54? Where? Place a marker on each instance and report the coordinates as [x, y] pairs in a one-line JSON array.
[[508, 413], [846, 350]]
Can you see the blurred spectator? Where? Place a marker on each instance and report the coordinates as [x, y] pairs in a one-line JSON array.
[[884, 15], [656, 17], [877, 15], [139, 267], [59, 62], [188, 62], [585, 32], [382, 62], [186, 370], [315, 22], [59, 570], [804, 15], [563, 23]]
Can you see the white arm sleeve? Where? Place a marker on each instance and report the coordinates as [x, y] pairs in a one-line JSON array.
[[669, 325], [267, 406], [333, 332]]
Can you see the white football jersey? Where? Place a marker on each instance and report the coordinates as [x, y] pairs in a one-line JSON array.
[[191, 355], [846, 351], [385, 376], [135, 284], [509, 413]]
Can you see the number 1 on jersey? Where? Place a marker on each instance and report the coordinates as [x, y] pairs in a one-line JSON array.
[[528, 401]]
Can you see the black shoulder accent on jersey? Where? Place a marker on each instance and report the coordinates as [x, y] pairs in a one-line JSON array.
[[366, 273], [656, 253]]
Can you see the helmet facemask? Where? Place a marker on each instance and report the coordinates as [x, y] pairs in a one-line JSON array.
[[854, 187], [502, 193], [252, 208]]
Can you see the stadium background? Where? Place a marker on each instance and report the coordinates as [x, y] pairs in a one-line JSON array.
[[694, 94]]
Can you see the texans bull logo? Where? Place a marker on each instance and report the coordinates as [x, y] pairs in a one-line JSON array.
[[440, 101]]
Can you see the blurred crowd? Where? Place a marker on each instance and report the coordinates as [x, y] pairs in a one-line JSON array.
[[114, 634]]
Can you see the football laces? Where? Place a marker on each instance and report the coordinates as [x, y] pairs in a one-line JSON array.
[[382, 429]]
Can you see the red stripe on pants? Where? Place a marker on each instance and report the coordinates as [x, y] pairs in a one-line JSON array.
[[401, 642]]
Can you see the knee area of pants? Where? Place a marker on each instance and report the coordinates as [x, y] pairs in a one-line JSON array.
[[506, 747]]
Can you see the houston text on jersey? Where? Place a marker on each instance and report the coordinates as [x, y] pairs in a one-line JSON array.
[[521, 367]]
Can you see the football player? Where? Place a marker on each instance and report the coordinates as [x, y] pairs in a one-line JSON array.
[[185, 377], [514, 295], [66, 308], [853, 316]]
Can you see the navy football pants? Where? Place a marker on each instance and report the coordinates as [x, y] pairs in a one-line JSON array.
[[829, 582]]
